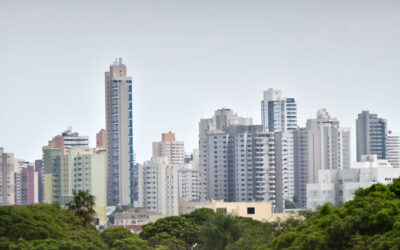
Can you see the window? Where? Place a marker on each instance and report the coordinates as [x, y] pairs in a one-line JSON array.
[[250, 210]]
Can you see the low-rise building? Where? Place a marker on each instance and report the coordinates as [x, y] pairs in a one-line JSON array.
[[338, 185], [262, 211]]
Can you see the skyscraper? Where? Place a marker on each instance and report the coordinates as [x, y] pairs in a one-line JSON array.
[[170, 148], [321, 145], [371, 135], [7, 194], [393, 149], [278, 113], [120, 156]]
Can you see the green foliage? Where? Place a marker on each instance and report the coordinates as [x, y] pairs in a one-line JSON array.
[[83, 204], [131, 243], [289, 204], [111, 235], [370, 221], [178, 227], [220, 230], [45, 226], [165, 239]]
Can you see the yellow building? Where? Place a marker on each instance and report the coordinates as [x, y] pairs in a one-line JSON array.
[[261, 211]]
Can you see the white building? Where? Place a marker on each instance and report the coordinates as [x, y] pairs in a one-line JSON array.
[[120, 155], [338, 185], [7, 188], [189, 183], [170, 148], [278, 113], [241, 162], [323, 144], [158, 186], [393, 149]]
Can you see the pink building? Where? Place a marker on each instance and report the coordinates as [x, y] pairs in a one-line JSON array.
[[29, 186]]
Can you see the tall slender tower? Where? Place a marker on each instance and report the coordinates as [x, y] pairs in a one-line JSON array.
[[120, 157]]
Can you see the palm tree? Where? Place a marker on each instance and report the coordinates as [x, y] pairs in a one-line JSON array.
[[82, 204], [220, 231]]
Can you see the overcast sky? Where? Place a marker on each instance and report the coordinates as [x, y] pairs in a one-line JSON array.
[[189, 58]]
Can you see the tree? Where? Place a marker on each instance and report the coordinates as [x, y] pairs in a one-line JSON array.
[[179, 227], [131, 243], [111, 235], [220, 231], [82, 204]]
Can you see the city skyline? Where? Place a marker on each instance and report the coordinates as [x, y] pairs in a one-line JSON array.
[[48, 87]]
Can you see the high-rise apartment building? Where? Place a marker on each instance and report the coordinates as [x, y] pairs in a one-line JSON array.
[[242, 162], [170, 148], [158, 186], [323, 144], [278, 113], [217, 124], [189, 183], [120, 156], [101, 139], [29, 185], [88, 172], [371, 135], [40, 170], [393, 149], [68, 140], [56, 174], [7, 188]]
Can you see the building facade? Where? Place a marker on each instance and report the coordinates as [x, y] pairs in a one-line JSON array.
[[7, 185], [170, 148], [101, 139], [393, 149], [338, 185], [119, 123], [278, 113], [371, 135], [188, 182], [158, 186]]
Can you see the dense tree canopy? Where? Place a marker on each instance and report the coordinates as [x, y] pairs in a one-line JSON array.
[[370, 221]]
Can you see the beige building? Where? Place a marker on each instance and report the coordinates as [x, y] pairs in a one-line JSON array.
[[261, 211], [170, 148], [136, 216]]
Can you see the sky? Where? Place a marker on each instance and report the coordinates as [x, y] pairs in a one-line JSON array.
[[188, 59]]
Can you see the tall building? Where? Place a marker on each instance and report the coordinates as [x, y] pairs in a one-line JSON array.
[[217, 124], [170, 148], [371, 135], [189, 183], [29, 185], [120, 156], [56, 175], [158, 186], [242, 162], [101, 139], [88, 172], [26, 183], [328, 145], [278, 113], [68, 140], [40, 170], [393, 149], [323, 144], [338, 185], [7, 188]]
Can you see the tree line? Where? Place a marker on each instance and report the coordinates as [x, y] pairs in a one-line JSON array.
[[370, 221]]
